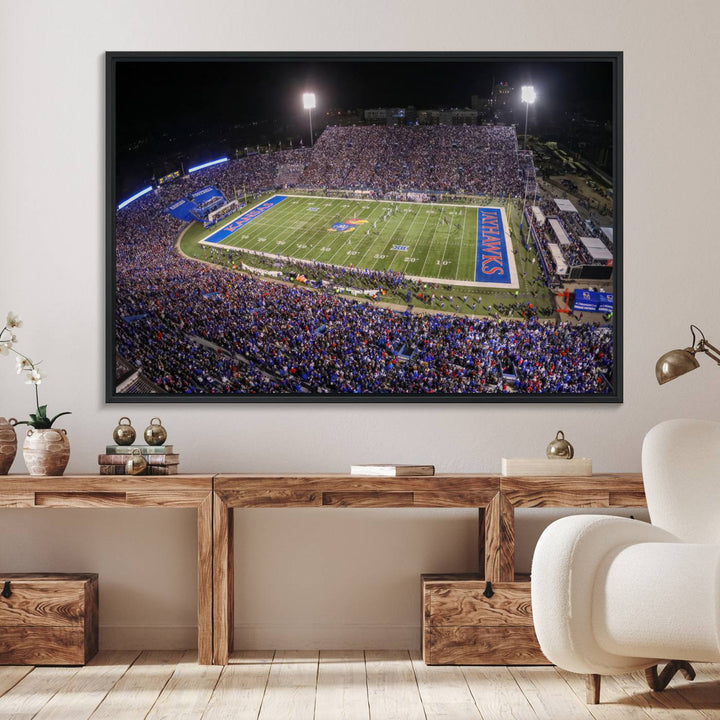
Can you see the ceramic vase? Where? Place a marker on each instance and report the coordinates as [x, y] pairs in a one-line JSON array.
[[8, 445], [47, 451]]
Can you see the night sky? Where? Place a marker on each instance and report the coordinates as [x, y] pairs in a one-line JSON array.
[[190, 110]]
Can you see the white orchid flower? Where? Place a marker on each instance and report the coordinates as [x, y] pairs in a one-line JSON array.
[[23, 363], [35, 377], [28, 369], [13, 320]]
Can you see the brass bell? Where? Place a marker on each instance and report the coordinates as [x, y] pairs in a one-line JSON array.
[[155, 433], [136, 463], [560, 448], [124, 433]]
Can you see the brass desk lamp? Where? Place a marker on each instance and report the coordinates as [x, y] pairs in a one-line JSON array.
[[677, 362]]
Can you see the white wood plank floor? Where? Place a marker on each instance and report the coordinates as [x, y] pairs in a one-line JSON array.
[[348, 685]]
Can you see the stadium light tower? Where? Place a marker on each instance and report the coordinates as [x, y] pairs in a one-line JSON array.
[[528, 96], [309, 104]]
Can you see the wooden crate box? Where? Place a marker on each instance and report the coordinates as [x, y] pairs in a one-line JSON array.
[[48, 618], [461, 626]]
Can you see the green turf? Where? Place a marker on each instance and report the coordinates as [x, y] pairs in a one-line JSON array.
[[440, 239], [481, 301]]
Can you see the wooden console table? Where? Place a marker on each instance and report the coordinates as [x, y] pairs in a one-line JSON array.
[[215, 497], [125, 491], [495, 497]]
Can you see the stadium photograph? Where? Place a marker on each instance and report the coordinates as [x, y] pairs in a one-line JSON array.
[[363, 227]]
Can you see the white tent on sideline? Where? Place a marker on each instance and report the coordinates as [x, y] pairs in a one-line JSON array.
[[565, 205], [559, 231], [539, 215], [596, 248], [558, 258]]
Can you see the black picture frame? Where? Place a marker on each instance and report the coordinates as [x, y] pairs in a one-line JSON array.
[[117, 62]]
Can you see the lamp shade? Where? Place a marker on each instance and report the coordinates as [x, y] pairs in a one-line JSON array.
[[675, 363]]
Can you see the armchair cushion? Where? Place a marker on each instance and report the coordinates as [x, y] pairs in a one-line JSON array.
[[659, 600], [567, 559]]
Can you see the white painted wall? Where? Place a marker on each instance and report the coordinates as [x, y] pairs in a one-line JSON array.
[[351, 577]]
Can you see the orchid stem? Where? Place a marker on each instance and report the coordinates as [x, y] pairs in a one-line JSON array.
[[25, 357], [30, 363]]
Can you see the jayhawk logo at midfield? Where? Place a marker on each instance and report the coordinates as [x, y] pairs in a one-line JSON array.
[[347, 226]]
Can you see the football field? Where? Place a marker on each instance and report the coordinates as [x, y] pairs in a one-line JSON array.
[[459, 243]]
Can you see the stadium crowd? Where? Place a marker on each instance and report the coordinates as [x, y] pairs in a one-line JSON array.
[[465, 160], [469, 159], [252, 174], [198, 329]]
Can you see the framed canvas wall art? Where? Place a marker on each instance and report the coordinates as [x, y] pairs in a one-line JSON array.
[[364, 227]]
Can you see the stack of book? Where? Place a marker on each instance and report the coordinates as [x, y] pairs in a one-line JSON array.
[[160, 459]]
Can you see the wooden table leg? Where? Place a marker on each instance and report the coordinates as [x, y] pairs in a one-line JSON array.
[[499, 518], [223, 581], [205, 580]]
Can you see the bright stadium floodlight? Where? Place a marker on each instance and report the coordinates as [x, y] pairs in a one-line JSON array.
[[528, 96], [207, 164], [144, 191], [309, 105]]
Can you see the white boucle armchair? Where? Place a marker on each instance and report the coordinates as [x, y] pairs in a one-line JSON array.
[[613, 595]]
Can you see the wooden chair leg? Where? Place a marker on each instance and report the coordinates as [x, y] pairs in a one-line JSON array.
[[660, 682], [657, 681], [592, 689]]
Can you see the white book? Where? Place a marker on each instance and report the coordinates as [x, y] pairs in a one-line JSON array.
[[392, 470]]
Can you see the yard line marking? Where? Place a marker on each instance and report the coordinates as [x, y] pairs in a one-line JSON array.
[[384, 245], [428, 251], [372, 243], [462, 244], [442, 259], [427, 217], [277, 228], [327, 219], [312, 228]]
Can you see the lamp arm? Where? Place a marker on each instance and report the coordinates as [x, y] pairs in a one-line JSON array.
[[710, 350]]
